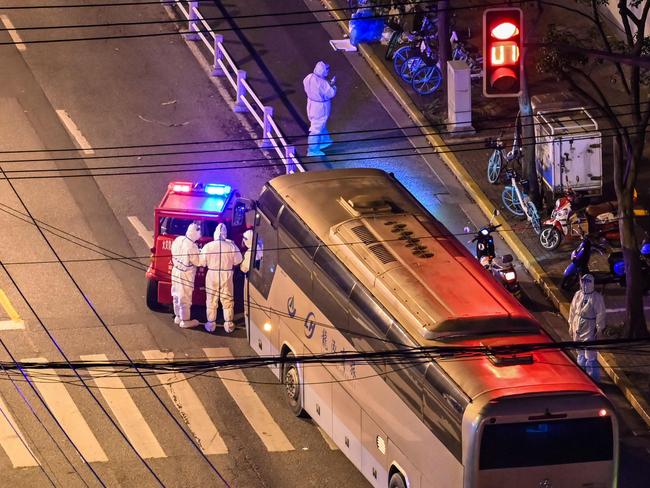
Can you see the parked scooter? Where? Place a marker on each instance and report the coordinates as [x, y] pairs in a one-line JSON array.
[[617, 265], [579, 264], [567, 221], [501, 267]]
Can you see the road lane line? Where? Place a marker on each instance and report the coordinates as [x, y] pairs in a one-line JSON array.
[[14, 322], [13, 441], [126, 412], [250, 404], [9, 25], [66, 412], [74, 131], [190, 407], [143, 232]]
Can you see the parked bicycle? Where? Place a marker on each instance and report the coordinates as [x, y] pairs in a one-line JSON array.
[[499, 158], [515, 198], [426, 55], [460, 52], [428, 31]]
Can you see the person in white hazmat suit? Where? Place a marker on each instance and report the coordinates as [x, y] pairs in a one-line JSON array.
[[247, 242], [319, 93], [586, 320], [220, 256], [185, 259]]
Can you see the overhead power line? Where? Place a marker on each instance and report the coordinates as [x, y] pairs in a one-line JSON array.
[[292, 136]]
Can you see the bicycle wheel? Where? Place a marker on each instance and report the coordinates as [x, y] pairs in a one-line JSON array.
[[511, 201], [410, 67], [392, 44], [495, 163], [533, 216], [400, 56], [427, 79]]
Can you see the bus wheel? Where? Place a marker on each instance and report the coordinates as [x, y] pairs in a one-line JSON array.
[[152, 297], [291, 382], [397, 481]]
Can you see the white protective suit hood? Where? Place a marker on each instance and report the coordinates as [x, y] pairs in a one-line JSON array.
[[322, 69], [587, 284], [247, 239], [193, 232], [221, 232]]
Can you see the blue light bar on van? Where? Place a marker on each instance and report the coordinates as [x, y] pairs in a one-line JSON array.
[[217, 189]]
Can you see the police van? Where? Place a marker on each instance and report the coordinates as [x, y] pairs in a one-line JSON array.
[[207, 204]]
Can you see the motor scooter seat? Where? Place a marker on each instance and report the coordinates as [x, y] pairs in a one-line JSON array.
[[595, 210]]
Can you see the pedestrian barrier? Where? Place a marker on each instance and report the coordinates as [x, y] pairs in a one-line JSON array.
[[246, 101]]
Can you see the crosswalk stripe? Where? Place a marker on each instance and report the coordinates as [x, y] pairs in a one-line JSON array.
[[128, 415], [250, 404], [66, 412], [13, 441], [190, 407]]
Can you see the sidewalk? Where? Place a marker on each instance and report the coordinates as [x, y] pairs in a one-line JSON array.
[[630, 372]]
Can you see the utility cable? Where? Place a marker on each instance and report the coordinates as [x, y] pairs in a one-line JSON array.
[[452, 145], [106, 171], [45, 405], [20, 435], [200, 29], [302, 135], [55, 343]]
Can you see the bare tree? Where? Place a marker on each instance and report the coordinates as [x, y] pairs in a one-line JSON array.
[[581, 59]]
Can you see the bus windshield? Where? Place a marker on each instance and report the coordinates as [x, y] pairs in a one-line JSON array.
[[543, 443]]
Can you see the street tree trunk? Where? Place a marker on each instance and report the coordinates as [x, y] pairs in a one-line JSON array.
[[624, 164]]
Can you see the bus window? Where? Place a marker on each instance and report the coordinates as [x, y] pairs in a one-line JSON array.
[[261, 275], [295, 262], [330, 301], [269, 203], [299, 232], [543, 443]]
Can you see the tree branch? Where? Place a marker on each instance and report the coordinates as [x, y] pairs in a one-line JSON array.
[[603, 104], [625, 13], [595, 53], [608, 46]]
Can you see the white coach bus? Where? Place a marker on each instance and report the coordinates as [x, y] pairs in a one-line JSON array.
[[348, 260]]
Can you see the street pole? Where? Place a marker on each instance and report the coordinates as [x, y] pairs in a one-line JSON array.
[[443, 37]]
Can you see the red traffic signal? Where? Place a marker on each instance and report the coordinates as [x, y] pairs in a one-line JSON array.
[[502, 52]]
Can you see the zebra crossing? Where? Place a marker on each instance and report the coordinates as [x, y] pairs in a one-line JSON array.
[[121, 404]]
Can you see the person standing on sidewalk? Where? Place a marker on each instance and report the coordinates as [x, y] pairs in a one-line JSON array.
[[586, 320], [319, 93]]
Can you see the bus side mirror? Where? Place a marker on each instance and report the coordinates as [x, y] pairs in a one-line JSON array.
[[239, 210]]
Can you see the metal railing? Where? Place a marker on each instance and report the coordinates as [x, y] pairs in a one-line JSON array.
[[246, 101]]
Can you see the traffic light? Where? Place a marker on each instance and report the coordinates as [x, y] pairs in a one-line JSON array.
[[503, 38]]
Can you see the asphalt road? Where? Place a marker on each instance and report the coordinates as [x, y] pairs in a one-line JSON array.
[[147, 92]]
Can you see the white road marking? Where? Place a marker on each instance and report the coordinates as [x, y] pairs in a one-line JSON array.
[[74, 131], [128, 415], [250, 404], [190, 407], [65, 410], [9, 25], [12, 324], [14, 321], [10, 439], [328, 439], [143, 232]]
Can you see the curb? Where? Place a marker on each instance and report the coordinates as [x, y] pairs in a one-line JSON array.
[[607, 361]]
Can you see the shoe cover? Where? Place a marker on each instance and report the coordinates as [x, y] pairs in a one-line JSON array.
[[210, 326], [229, 327], [177, 320], [188, 324]]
